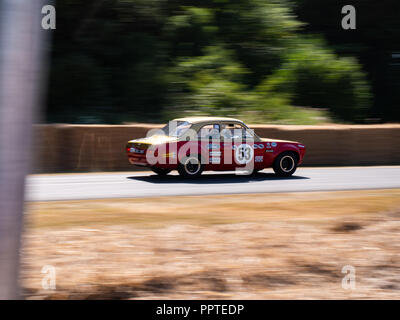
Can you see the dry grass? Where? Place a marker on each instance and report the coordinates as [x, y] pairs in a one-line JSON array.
[[228, 246], [206, 210]]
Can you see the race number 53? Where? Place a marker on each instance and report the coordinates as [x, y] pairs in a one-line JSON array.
[[244, 154]]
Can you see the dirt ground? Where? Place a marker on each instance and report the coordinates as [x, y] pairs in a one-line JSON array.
[[260, 246]]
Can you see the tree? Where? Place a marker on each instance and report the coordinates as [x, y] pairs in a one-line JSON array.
[[137, 60]]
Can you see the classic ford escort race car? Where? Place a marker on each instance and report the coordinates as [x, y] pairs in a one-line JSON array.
[[192, 145]]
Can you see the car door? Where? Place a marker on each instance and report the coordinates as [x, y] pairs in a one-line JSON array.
[[209, 137], [246, 151], [237, 149]]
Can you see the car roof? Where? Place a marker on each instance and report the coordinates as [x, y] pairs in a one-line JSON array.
[[207, 119]]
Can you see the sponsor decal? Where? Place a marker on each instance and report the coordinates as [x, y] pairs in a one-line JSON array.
[[269, 150], [213, 146], [258, 146], [215, 160], [259, 159], [273, 144], [244, 154], [268, 145], [215, 153]]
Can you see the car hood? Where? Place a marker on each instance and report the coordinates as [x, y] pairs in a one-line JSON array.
[[157, 139]]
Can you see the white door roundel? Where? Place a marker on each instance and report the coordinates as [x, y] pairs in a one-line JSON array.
[[244, 154]]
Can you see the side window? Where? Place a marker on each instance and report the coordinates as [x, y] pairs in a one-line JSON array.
[[235, 131], [248, 133], [210, 131]]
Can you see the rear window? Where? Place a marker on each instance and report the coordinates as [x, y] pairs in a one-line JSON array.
[[176, 128]]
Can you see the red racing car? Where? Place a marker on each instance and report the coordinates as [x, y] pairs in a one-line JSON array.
[[192, 145]]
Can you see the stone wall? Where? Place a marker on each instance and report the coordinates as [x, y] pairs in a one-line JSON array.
[[79, 148]]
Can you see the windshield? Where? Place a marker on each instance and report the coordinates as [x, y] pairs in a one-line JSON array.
[[176, 128]]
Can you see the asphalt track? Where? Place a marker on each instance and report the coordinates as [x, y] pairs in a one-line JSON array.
[[147, 184]]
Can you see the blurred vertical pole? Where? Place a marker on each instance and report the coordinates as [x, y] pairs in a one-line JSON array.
[[21, 53]]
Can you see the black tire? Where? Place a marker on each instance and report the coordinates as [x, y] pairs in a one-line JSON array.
[[285, 164], [190, 167], [160, 171]]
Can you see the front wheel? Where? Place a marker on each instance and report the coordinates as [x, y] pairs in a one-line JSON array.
[[285, 164], [190, 167], [160, 171]]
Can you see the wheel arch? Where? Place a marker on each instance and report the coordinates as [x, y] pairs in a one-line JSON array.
[[293, 151]]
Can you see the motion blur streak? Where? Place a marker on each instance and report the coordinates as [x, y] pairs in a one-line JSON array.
[[123, 185], [21, 49]]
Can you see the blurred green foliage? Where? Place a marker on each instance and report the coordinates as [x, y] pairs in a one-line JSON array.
[[313, 76], [119, 61], [375, 44]]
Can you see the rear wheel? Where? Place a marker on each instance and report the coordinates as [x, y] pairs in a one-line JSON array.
[[285, 164], [190, 167], [160, 171]]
